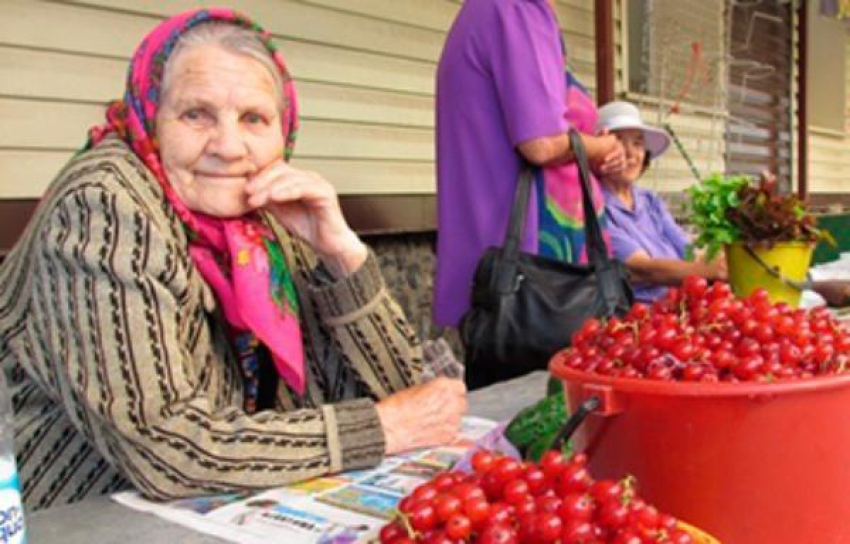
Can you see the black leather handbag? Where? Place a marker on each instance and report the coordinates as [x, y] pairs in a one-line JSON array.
[[526, 307]]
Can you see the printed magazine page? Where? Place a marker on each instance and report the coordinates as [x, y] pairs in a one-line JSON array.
[[340, 509]]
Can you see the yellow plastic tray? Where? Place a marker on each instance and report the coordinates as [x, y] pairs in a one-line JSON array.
[[700, 536]]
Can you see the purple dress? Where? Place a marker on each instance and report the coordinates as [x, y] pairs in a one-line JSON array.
[[648, 227], [500, 82]]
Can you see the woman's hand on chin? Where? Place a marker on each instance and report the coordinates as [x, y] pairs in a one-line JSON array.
[[605, 153], [307, 205]]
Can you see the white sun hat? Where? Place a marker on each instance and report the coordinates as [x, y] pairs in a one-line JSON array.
[[624, 115]]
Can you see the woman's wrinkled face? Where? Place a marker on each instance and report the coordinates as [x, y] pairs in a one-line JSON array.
[[218, 125], [632, 140]]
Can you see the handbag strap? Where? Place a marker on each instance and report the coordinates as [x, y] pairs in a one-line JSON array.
[[597, 252], [518, 211], [507, 280], [608, 279]]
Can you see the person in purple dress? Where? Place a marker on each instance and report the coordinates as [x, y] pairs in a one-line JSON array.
[[503, 102], [643, 233]]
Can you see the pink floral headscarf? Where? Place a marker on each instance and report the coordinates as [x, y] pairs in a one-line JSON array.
[[239, 258]]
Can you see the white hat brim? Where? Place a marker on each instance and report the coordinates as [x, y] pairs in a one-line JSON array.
[[655, 140]]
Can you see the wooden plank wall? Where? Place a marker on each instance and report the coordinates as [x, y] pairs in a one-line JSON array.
[[364, 71], [829, 151]]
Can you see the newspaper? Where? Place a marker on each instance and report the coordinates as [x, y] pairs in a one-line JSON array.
[[340, 509]]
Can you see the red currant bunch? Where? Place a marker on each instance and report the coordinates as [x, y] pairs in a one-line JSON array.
[[703, 333], [506, 501]]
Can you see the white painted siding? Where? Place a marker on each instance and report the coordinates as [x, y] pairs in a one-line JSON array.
[[829, 161], [364, 70], [829, 151]]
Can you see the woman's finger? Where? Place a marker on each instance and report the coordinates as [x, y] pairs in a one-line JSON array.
[[614, 156], [294, 190], [300, 188], [268, 175], [293, 186], [612, 166]]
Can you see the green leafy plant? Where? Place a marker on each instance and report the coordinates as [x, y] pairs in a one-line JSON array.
[[764, 216], [708, 206], [732, 209]]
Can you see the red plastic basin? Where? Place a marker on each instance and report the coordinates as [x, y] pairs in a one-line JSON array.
[[749, 463]]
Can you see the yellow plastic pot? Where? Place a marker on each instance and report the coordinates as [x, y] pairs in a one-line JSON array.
[[789, 260]]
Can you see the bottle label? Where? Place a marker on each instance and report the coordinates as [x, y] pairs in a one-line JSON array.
[[12, 527]]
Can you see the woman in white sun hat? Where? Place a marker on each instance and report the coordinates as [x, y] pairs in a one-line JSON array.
[[643, 233]]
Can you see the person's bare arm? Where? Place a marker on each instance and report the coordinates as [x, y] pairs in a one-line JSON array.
[[836, 293], [604, 152], [647, 270]]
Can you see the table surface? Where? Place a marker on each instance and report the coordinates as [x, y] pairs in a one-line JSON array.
[[105, 522]]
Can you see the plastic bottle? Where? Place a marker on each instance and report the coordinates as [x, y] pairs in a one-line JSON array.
[[12, 526]]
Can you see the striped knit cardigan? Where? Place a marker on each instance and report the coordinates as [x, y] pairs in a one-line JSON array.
[[121, 371]]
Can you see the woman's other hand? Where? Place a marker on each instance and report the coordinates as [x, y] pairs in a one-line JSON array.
[[605, 153], [306, 204], [602, 150], [423, 416], [718, 268], [714, 269]]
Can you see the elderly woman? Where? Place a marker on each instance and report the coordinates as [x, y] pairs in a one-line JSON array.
[[188, 313], [643, 233]]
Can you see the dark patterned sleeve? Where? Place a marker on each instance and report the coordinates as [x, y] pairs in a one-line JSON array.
[[369, 329], [137, 372]]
